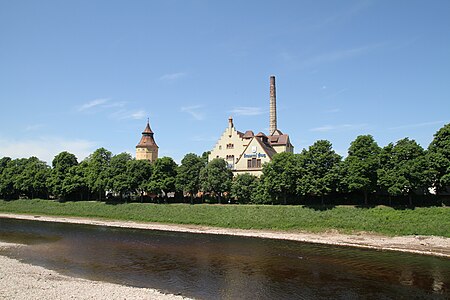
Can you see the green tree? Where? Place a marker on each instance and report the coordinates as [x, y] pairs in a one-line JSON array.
[[439, 158], [75, 181], [188, 177], [359, 171], [244, 187], [163, 177], [280, 175], [403, 168], [97, 171], [31, 181], [60, 167], [216, 178], [139, 173], [118, 178], [319, 166]]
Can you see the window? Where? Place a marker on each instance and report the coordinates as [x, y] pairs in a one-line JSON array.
[[230, 146], [253, 163], [220, 147], [230, 161]]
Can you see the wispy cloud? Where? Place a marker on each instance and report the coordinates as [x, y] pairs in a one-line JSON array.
[[92, 104], [46, 148], [417, 125], [332, 110], [341, 127], [194, 111], [248, 111], [172, 76], [34, 127], [128, 114], [339, 55]]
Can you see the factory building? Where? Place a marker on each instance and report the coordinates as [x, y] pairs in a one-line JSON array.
[[247, 152]]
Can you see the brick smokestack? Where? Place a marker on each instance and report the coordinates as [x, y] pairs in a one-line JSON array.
[[273, 106]]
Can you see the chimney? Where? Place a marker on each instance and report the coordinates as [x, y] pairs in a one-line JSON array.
[[273, 106]]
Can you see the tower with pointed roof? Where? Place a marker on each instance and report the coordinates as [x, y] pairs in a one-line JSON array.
[[147, 148]]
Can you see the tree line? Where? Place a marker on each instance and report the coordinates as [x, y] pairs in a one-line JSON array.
[[401, 170]]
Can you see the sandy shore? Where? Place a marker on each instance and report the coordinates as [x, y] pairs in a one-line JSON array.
[[23, 281], [427, 245]]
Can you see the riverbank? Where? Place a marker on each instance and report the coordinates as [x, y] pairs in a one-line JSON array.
[[426, 245], [24, 281], [382, 220]]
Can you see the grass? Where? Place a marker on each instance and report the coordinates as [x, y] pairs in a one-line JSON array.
[[345, 219]]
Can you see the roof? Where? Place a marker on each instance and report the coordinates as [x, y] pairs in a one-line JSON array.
[[147, 139], [279, 140], [248, 134], [266, 146]]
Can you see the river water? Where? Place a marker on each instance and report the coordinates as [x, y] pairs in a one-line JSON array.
[[225, 267]]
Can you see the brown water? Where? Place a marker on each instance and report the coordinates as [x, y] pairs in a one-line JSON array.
[[225, 267]]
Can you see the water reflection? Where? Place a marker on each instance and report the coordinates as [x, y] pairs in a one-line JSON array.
[[225, 267]]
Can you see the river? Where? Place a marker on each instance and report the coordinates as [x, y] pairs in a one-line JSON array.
[[225, 267]]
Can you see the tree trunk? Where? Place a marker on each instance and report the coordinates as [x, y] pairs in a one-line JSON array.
[[410, 199], [390, 200], [366, 202], [192, 198], [321, 199]]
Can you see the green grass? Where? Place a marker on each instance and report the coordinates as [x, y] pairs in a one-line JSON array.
[[346, 219]]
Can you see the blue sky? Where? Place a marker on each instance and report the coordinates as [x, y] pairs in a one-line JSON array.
[[79, 75]]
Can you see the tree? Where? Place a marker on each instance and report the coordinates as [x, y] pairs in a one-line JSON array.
[[163, 177], [403, 168], [360, 166], [188, 177], [75, 181], [244, 187], [439, 158], [139, 173], [216, 177], [97, 171], [31, 178], [319, 170], [280, 175], [60, 168], [118, 178]]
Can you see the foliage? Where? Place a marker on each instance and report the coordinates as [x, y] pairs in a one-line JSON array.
[[359, 170], [280, 176], [403, 168], [188, 176], [439, 158], [61, 165], [118, 178], [216, 177], [319, 166], [164, 172], [138, 173], [97, 171], [244, 187]]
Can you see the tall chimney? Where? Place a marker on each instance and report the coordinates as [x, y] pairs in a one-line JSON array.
[[273, 106]]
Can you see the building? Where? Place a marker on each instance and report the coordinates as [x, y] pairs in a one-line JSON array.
[[147, 148], [247, 152]]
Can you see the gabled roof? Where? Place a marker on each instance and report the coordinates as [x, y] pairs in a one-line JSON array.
[[248, 134]]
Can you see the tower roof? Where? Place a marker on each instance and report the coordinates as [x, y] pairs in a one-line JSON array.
[[147, 139]]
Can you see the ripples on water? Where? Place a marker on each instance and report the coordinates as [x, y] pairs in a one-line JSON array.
[[226, 267]]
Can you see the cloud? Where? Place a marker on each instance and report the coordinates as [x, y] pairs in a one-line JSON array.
[[94, 103], [339, 55], [417, 125], [128, 114], [332, 110], [341, 127], [172, 76], [46, 148], [248, 111], [194, 111], [34, 127]]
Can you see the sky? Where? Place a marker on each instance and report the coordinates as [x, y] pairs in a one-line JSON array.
[[79, 75]]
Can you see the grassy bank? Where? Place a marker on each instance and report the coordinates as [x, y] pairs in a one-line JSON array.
[[346, 219]]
